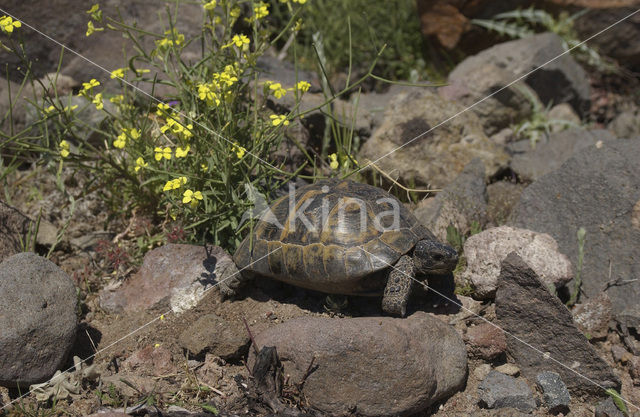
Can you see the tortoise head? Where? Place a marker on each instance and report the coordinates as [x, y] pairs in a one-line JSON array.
[[432, 257]]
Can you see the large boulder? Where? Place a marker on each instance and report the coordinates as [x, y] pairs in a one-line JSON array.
[[379, 366], [543, 336], [559, 81], [598, 189], [37, 318], [410, 147]]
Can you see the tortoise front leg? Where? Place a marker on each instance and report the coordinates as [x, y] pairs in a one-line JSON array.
[[398, 288]]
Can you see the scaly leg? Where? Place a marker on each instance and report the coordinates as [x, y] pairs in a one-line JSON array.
[[398, 289]]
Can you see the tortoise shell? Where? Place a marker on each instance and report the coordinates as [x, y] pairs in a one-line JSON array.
[[333, 236]]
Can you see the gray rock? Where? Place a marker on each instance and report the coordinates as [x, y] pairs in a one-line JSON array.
[[461, 203], [607, 408], [487, 249], [500, 391], [212, 334], [598, 189], [555, 394], [544, 335], [626, 124], [501, 110], [560, 81], [173, 276], [593, 316], [14, 230], [381, 366], [629, 325], [435, 158], [549, 155], [37, 318]]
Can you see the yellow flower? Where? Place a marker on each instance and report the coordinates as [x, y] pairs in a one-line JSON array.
[[72, 108], [86, 87], [91, 28], [119, 73], [117, 99], [277, 89], [174, 184], [303, 86], [190, 196], [162, 153], [162, 109], [50, 109], [7, 24], [181, 153], [95, 12], [140, 164], [239, 150], [209, 6], [134, 133], [235, 12], [333, 161], [260, 10], [278, 120], [241, 41], [64, 148], [142, 71], [204, 167], [97, 100], [120, 141], [172, 38]]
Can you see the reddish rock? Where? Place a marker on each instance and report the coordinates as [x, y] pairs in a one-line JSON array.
[[592, 317], [150, 359], [173, 276], [380, 366], [486, 341]]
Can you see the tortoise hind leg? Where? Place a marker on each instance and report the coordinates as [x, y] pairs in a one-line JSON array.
[[398, 288]]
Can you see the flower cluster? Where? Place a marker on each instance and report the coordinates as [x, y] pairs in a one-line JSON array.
[[121, 140], [96, 15], [214, 91], [174, 184], [272, 87], [7, 24], [171, 38]]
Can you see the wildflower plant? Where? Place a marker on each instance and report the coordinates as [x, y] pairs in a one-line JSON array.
[[187, 158]]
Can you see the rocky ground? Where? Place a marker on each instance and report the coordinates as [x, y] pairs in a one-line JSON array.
[[163, 339]]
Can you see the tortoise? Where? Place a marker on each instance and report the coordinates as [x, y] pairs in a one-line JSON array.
[[344, 237]]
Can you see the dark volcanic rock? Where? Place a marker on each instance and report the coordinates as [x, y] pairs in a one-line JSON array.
[[500, 391], [549, 155], [526, 310], [379, 366], [37, 319], [598, 189], [560, 81], [555, 393]]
